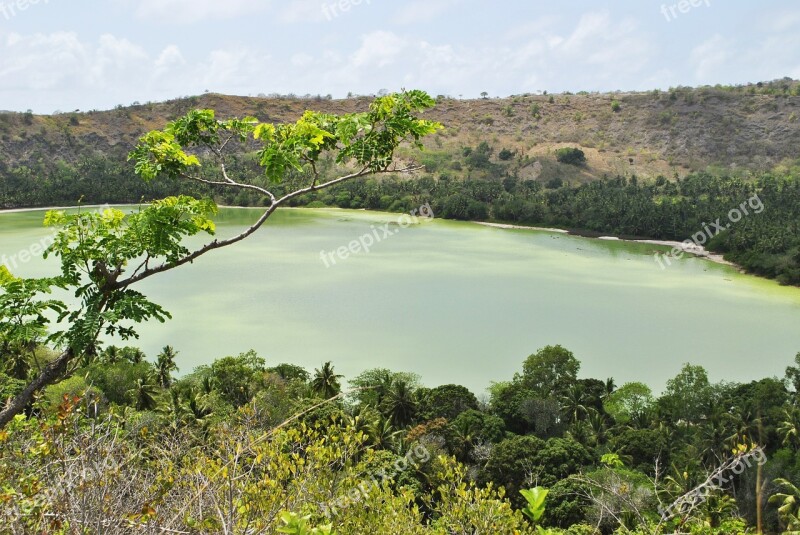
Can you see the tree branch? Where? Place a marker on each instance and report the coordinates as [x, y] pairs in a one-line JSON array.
[[218, 244]]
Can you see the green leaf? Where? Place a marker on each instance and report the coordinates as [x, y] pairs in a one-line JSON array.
[[536, 502]]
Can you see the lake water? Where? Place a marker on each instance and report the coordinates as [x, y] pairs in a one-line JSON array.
[[455, 302]]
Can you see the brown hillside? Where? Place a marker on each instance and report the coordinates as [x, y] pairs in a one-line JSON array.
[[726, 130]]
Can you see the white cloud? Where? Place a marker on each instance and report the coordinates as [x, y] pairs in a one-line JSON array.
[[709, 57], [378, 49]]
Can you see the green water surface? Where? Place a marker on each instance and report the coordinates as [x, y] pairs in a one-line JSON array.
[[454, 302]]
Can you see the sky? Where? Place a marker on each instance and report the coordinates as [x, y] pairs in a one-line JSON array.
[[64, 55]]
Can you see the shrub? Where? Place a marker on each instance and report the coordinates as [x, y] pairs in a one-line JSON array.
[[571, 156], [505, 155]]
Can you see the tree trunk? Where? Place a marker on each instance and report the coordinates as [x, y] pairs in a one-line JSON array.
[[51, 373]]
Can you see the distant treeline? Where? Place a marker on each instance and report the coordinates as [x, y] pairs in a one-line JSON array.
[[765, 243]]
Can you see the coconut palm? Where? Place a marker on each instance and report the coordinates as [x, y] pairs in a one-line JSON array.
[[400, 406], [326, 381], [381, 433], [598, 423], [133, 354], [574, 403], [165, 365], [112, 355], [197, 411], [789, 428], [144, 394], [610, 387], [788, 503]]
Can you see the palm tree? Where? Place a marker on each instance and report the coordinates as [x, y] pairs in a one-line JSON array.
[[399, 405], [381, 433], [610, 388], [788, 503], [208, 384], [133, 354], [789, 428], [326, 381], [746, 424], [112, 355], [573, 403], [16, 362], [144, 394], [197, 410], [165, 365], [598, 423]]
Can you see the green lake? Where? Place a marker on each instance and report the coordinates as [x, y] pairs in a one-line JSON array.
[[454, 302]]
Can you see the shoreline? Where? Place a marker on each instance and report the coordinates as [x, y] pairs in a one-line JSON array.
[[696, 250], [49, 208]]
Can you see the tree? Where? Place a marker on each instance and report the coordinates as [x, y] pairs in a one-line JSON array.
[[476, 426], [104, 256], [446, 401], [484, 95], [793, 375], [165, 365], [326, 381], [789, 428], [143, 394], [574, 403], [373, 385], [550, 372], [571, 156], [628, 401], [687, 394], [400, 405], [788, 503], [523, 462], [290, 372]]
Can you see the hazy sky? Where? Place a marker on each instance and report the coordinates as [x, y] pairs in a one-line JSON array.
[[86, 54]]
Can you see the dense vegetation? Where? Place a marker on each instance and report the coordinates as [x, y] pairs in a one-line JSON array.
[[240, 446]]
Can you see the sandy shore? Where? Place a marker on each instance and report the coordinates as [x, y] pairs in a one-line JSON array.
[[693, 249], [520, 227]]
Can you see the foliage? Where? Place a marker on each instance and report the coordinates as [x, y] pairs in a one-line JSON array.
[[571, 156], [446, 401], [628, 401], [535, 498], [550, 372]]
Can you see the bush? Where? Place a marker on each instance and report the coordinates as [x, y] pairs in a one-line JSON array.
[[505, 155], [571, 156], [615, 106]]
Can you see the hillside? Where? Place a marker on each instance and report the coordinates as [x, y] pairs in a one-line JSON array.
[[719, 129]]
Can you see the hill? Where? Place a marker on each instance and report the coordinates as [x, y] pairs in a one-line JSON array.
[[724, 130]]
